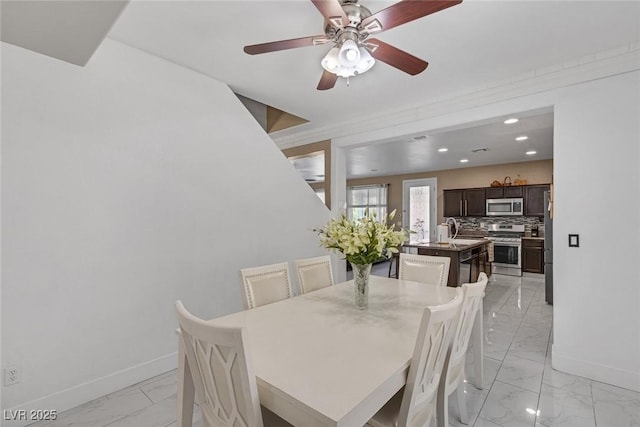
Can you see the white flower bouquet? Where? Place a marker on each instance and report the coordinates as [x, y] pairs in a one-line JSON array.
[[362, 241]]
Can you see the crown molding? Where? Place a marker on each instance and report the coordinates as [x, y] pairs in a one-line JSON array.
[[575, 71]]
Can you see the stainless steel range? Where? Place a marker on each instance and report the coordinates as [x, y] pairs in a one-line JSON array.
[[507, 248]]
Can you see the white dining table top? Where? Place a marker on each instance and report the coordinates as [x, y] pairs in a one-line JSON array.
[[327, 358]]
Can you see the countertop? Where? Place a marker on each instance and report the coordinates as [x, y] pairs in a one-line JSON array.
[[532, 238], [458, 247]]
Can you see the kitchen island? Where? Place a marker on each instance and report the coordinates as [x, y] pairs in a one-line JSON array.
[[469, 257]]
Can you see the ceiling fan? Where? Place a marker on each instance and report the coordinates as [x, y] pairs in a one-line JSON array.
[[348, 26]]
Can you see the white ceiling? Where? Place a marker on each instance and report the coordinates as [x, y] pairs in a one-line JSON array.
[[419, 152], [67, 30], [469, 46]]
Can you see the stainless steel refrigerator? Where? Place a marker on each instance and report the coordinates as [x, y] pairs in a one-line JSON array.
[[548, 251]]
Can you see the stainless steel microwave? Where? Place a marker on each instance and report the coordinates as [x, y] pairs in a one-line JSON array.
[[504, 207]]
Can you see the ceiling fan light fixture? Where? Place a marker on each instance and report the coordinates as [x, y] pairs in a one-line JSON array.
[[330, 61], [349, 55], [347, 72], [348, 25], [366, 61], [337, 60]]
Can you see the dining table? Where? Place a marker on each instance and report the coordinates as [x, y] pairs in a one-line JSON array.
[[321, 361]]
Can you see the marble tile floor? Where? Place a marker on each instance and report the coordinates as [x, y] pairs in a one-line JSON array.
[[521, 388]]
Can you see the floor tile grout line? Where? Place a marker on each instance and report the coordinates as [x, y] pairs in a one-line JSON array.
[[146, 395], [542, 380], [134, 412], [593, 403]]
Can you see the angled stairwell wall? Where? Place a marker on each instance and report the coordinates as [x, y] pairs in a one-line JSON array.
[[128, 184]]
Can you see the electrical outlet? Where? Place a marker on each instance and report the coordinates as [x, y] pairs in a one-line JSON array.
[[11, 375]]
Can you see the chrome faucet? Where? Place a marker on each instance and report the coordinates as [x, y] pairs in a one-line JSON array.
[[453, 227]]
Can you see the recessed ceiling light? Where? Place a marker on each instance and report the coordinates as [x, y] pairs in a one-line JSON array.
[[530, 153], [464, 160], [511, 121], [522, 138], [443, 149]]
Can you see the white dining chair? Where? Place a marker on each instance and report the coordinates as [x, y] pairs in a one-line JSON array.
[[266, 284], [225, 385], [453, 377], [313, 273], [424, 268], [415, 404]]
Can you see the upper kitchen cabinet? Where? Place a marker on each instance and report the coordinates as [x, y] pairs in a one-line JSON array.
[[452, 203], [507, 192], [474, 202], [534, 199], [467, 202], [494, 192], [513, 191]]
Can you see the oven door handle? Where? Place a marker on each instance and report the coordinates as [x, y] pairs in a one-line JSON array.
[[510, 244]]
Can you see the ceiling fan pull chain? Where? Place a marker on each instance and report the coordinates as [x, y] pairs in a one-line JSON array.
[[347, 81]]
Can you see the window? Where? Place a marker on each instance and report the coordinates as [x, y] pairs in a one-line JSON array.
[[372, 197]]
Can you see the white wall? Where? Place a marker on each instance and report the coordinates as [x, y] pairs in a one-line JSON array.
[[597, 192], [128, 184]]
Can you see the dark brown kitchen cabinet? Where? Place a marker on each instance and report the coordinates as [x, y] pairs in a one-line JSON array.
[[467, 202], [452, 203], [534, 199], [485, 265], [533, 256], [513, 191], [494, 192], [507, 192], [474, 202], [465, 265]]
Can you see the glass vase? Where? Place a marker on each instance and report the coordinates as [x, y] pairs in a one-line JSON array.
[[361, 274]]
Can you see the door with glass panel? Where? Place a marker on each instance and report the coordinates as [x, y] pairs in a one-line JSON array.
[[419, 208]]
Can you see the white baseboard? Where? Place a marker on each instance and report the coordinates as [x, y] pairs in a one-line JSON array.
[[605, 374], [82, 393]]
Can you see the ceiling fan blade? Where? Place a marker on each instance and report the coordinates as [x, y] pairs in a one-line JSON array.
[[327, 81], [332, 12], [395, 57], [403, 12], [256, 49]]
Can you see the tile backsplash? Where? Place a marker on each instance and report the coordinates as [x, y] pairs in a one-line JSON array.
[[478, 225]]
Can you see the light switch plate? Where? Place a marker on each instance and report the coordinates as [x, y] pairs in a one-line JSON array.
[[574, 240]]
